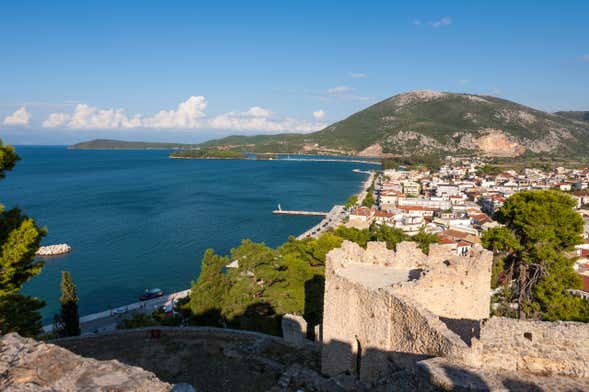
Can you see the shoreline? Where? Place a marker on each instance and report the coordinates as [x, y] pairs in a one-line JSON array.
[[337, 211], [109, 318]]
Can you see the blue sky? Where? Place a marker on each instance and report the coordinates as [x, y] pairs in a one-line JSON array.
[[189, 71]]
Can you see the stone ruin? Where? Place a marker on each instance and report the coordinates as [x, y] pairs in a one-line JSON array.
[[389, 311]]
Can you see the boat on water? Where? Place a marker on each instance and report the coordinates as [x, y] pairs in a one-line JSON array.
[[151, 294]]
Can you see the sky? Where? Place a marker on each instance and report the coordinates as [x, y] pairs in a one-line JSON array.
[[188, 71]]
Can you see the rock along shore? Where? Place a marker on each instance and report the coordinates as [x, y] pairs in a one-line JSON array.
[[53, 250]]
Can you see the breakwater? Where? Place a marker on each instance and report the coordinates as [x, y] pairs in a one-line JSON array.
[[53, 250]]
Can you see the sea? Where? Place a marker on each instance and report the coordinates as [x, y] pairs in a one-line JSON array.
[[138, 219]]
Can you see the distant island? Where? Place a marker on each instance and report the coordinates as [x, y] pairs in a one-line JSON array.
[[418, 123], [208, 153], [110, 144]]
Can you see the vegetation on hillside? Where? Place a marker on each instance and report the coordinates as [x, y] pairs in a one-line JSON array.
[[533, 262], [271, 282], [208, 153], [426, 123], [575, 115], [431, 162], [19, 240]]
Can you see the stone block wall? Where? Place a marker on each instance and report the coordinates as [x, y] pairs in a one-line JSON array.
[[294, 329], [540, 347], [372, 333]]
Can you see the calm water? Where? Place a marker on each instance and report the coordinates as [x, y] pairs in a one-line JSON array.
[[137, 219]]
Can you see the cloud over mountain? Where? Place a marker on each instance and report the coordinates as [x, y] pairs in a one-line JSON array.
[[188, 115]]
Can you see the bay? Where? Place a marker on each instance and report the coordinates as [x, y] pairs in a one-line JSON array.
[[137, 219]]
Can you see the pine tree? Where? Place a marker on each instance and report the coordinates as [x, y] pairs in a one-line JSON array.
[[541, 230], [69, 316], [19, 240], [208, 292]]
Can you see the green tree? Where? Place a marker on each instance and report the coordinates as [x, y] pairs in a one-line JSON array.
[[424, 240], [544, 229], [19, 240], [391, 235], [208, 292], [352, 201], [69, 317], [368, 200]]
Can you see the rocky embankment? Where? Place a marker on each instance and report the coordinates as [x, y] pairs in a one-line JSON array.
[[53, 250]]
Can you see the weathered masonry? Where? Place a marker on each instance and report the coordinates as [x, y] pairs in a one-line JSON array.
[[386, 310]]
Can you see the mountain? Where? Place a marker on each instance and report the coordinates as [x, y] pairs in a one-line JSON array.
[[428, 122], [422, 123], [578, 116], [110, 144]]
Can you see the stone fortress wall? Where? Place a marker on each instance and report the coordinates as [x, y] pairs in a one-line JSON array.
[[385, 311]]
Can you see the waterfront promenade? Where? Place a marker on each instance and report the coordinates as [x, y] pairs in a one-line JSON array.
[[367, 183], [332, 220], [109, 319], [332, 160]]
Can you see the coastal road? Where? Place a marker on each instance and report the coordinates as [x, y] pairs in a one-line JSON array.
[[109, 319], [332, 220]]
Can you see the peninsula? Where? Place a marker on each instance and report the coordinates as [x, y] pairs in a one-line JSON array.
[[207, 153]]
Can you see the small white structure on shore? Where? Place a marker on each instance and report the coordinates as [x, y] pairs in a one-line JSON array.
[[53, 250]]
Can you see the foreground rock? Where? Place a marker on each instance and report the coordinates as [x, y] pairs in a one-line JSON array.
[[28, 365]]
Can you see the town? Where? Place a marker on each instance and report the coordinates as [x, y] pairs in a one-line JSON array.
[[457, 202]]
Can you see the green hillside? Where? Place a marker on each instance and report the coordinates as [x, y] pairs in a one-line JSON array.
[[426, 122], [578, 115]]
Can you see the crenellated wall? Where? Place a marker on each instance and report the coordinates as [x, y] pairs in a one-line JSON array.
[[385, 311]]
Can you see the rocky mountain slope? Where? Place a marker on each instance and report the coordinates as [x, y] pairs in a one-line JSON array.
[[429, 122]]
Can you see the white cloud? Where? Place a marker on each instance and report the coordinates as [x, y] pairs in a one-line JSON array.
[[340, 90], [319, 114], [358, 75], [56, 120], [445, 21], [257, 111], [463, 81], [20, 117], [189, 114], [417, 22]]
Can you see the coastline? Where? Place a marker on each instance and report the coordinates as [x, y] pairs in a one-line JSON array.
[[106, 320]]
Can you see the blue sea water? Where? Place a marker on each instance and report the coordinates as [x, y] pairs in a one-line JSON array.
[[137, 219]]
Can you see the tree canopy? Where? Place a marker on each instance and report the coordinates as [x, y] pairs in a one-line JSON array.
[[19, 240], [541, 230], [269, 282]]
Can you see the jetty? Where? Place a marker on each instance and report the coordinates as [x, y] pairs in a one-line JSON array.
[[295, 212], [53, 250], [280, 211], [331, 221]]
